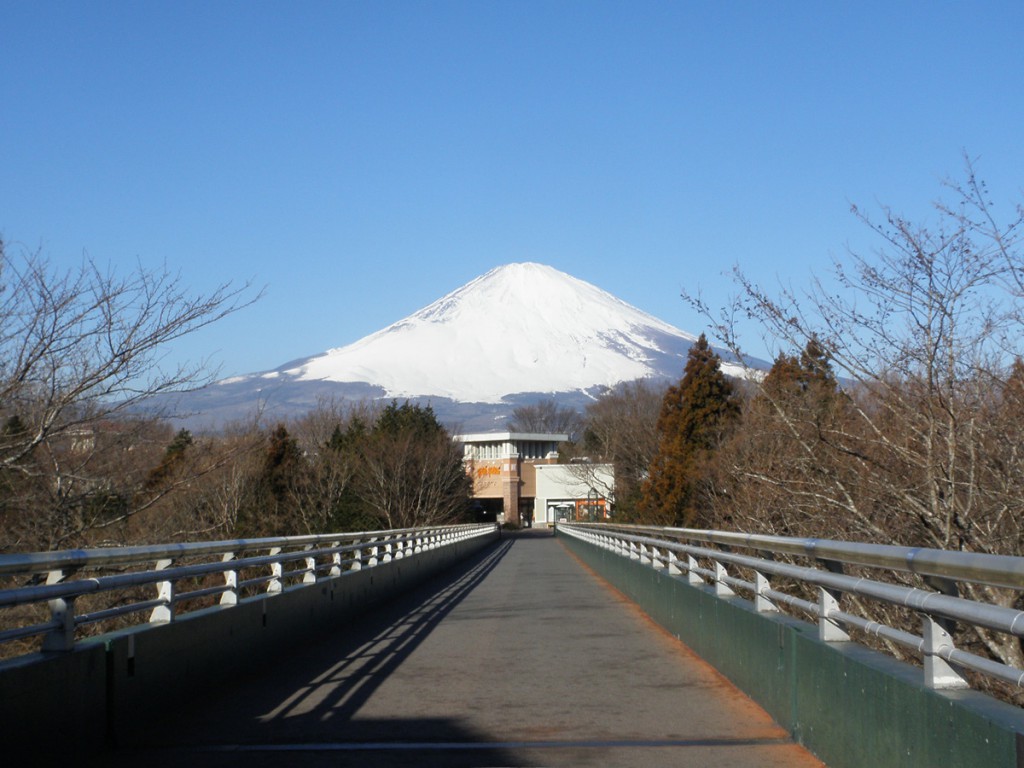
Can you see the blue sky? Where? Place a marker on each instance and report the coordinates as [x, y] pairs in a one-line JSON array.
[[361, 159]]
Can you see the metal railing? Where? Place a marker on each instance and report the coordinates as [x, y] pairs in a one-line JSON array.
[[195, 575], [705, 558]]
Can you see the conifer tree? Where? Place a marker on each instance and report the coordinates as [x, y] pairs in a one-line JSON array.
[[694, 414], [172, 459], [282, 464], [409, 472]]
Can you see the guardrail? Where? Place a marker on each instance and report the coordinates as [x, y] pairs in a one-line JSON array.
[[195, 574], [705, 558]]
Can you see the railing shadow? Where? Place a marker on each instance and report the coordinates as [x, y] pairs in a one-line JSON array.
[[304, 707]]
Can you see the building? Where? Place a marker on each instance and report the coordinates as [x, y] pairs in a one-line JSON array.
[[573, 492], [517, 479]]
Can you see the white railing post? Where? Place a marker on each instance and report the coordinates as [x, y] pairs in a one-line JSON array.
[[761, 603], [61, 637], [230, 595], [274, 586], [335, 560], [693, 577], [938, 673], [721, 588], [829, 630], [673, 564], [657, 563], [372, 560], [309, 577], [165, 594]]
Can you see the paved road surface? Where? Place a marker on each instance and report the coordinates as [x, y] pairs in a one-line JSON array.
[[520, 657]]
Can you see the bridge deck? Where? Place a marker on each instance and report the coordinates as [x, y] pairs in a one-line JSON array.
[[519, 657]]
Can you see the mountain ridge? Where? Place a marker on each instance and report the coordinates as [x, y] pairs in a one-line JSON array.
[[517, 333]]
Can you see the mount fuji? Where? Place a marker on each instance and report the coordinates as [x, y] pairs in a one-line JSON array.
[[511, 336]]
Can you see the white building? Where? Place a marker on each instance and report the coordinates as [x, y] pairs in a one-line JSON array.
[[517, 478], [574, 492]]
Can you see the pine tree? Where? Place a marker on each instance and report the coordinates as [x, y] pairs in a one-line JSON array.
[[809, 374], [172, 459], [282, 464], [1013, 390], [410, 473], [694, 414]]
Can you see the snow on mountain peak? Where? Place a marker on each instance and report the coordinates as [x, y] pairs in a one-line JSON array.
[[519, 328]]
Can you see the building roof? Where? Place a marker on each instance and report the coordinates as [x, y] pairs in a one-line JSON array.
[[511, 437]]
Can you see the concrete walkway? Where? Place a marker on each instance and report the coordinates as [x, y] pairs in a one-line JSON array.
[[520, 657]]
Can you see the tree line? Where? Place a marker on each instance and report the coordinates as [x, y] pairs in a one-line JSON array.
[[81, 350], [335, 469], [890, 413]]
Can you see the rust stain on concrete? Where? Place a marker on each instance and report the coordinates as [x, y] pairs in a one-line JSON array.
[[745, 709]]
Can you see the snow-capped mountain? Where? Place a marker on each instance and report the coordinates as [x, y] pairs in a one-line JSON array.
[[518, 332]]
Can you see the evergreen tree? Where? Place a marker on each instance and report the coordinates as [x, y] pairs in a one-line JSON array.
[[173, 457], [1013, 390], [809, 374], [816, 366], [414, 421], [409, 471], [336, 467], [275, 495], [693, 415], [282, 464]]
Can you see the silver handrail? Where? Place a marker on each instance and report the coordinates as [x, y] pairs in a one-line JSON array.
[[73, 574], [976, 567], [680, 552]]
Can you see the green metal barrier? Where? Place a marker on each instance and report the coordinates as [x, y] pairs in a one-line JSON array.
[[852, 707]]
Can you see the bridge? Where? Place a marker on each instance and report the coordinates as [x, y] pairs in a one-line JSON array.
[[462, 646]]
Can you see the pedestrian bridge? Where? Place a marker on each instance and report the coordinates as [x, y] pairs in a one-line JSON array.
[[465, 646]]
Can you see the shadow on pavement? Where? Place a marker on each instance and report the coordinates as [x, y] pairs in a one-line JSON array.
[[300, 711]]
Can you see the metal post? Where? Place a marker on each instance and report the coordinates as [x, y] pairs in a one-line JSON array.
[[62, 637], [761, 603], [229, 596], [165, 594], [357, 557], [673, 564], [372, 561], [274, 586], [309, 577], [721, 588], [829, 630], [657, 562], [693, 577], [938, 673]]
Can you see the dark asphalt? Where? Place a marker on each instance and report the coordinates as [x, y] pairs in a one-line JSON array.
[[519, 657]]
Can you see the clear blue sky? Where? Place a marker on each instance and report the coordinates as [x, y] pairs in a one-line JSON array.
[[361, 159]]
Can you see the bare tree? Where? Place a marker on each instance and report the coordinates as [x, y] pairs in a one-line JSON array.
[[79, 352], [410, 471], [620, 429], [546, 416], [920, 450]]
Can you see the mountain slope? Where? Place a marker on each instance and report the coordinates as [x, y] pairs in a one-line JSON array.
[[515, 333], [518, 328]]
